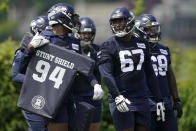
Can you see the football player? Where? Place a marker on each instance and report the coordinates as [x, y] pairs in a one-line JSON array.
[[84, 89], [125, 66], [62, 26], [37, 25], [61, 19], [20, 63], [149, 27]]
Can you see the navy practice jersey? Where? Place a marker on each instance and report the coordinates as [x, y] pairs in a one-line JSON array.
[[26, 40], [19, 65], [68, 42], [93, 54], [124, 67], [83, 85], [21, 59], [160, 57], [49, 75]]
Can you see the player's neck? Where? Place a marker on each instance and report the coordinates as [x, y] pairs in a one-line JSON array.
[[126, 38], [60, 30], [152, 45]]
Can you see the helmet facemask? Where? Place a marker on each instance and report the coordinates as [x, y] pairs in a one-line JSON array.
[[86, 37], [122, 26], [153, 32], [87, 31]]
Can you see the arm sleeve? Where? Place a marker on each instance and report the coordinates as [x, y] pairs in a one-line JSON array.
[[152, 81], [106, 73], [96, 74], [93, 80], [105, 65], [17, 76]]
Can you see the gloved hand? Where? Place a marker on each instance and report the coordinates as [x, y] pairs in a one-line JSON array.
[[160, 111], [37, 41], [121, 103], [98, 92], [178, 107]]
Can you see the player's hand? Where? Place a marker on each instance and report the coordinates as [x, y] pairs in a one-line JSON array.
[[178, 107], [37, 41], [160, 111], [98, 92], [121, 103]]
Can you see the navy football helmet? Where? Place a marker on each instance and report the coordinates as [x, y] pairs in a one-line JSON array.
[[87, 30], [64, 14], [122, 21], [38, 24], [148, 25]]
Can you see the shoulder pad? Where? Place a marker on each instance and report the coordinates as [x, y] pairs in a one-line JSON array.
[[74, 40], [47, 33], [162, 46]]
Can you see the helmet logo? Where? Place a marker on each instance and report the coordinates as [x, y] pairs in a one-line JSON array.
[[87, 29], [60, 9]]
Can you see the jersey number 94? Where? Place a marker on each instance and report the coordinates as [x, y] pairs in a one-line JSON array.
[[43, 68]]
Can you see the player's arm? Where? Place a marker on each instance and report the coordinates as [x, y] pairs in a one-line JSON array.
[[37, 41], [97, 74], [172, 83], [174, 92], [105, 66], [93, 80], [98, 91], [106, 71], [171, 79], [19, 58], [17, 76]]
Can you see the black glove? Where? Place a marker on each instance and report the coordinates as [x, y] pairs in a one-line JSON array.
[[178, 107]]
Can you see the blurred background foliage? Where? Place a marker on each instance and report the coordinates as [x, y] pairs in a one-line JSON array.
[[11, 116], [183, 63]]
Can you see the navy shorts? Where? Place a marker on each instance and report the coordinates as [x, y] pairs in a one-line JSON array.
[[62, 114], [170, 123], [35, 122], [97, 104], [166, 101], [124, 120]]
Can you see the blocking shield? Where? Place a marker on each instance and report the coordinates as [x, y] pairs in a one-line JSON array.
[[48, 78]]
